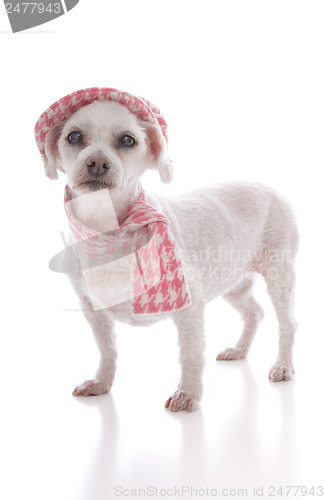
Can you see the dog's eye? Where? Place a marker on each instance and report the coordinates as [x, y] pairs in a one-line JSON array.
[[127, 141], [74, 137]]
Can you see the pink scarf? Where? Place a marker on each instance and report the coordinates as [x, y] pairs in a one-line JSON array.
[[157, 279]]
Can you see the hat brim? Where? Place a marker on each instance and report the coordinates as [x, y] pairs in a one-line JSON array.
[[62, 109]]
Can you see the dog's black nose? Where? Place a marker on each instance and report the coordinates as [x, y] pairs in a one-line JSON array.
[[98, 165]]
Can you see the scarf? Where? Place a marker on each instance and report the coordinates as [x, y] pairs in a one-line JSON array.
[[140, 258]]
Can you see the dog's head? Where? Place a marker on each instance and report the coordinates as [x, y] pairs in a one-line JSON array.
[[105, 145]]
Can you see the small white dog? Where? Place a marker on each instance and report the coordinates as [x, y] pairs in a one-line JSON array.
[[225, 235]]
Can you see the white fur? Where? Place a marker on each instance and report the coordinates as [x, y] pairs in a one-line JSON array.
[[226, 234]]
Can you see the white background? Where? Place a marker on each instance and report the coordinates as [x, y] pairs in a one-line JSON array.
[[241, 84]]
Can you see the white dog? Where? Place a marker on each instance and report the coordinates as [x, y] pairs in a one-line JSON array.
[[225, 235]]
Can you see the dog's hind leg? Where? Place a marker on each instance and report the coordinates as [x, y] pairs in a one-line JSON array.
[[280, 285], [241, 298], [103, 331], [190, 325]]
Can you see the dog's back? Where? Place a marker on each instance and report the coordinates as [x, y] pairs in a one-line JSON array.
[[225, 230]]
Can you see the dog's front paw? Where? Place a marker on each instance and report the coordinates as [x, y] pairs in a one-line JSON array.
[[232, 354], [281, 371], [91, 388], [180, 401]]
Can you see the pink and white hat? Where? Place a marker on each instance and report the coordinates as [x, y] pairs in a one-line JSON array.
[[62, 109]]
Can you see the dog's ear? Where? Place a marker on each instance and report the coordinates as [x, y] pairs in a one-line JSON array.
[[158, 149], [52, 158]]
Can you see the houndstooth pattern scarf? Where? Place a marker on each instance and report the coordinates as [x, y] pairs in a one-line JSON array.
[[157, 280]]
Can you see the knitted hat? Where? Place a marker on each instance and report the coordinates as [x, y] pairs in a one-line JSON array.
[[62, 109]]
